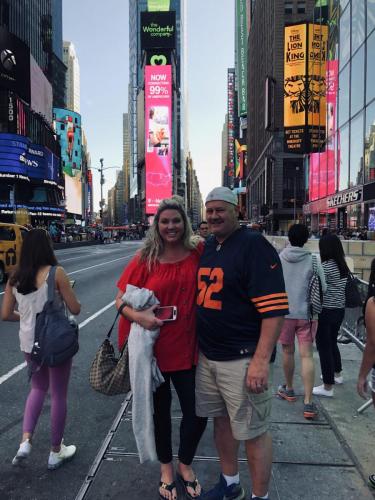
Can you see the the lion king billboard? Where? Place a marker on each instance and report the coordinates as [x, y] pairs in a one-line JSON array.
[[305, 56]]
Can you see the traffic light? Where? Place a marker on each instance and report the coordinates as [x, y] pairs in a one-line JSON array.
[[101, 213]]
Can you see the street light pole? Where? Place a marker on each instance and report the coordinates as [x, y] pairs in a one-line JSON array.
[[101, 187]]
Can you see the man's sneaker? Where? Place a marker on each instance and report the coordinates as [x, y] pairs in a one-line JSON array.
[[339, 379], [310, 411], [223, 492], [371, 480], [322, 391], [57, 459], [23, 452], [287, 394]]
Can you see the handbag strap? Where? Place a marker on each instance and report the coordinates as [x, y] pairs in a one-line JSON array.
[[314, 264], [51, 284], [119, 311]]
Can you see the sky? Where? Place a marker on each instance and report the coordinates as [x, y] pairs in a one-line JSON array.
[[101, 39]]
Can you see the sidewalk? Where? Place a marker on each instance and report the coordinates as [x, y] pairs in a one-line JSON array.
[[324, 459]]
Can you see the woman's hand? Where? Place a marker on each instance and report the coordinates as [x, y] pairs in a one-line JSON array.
[[362, 387], [147, 318]]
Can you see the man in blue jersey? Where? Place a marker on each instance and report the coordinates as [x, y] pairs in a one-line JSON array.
[[241, 302]]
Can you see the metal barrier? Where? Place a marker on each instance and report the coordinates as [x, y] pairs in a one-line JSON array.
[[353, 329]]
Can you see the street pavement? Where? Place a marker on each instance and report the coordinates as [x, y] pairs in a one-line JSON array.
[[328, 458]]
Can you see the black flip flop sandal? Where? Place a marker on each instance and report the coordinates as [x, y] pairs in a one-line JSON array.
[[168, 487], [190, 484]]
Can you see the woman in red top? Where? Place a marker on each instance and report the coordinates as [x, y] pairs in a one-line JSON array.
[[167, 264]]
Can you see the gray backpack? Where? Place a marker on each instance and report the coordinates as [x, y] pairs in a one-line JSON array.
[[56, 336]]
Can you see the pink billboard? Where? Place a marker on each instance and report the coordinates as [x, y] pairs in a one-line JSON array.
[[322, 171], [158, 140]]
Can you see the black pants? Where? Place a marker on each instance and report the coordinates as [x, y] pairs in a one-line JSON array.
[[326, 341], [191, 428]]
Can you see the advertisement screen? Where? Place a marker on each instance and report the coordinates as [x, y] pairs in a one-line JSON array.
[[158, 135], [305, 54], [153, 5], [41, 91], [241, 59], [316, 94], [20, 158], [67, 124], [322, 165], [14, 65], [295, 59], [158, 30]]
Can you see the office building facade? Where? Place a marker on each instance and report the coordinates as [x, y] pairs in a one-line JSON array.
[[347, 163], [136, 105], [274, 179], [73, 81]]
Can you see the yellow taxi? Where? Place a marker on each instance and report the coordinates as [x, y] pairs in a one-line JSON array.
[[11, 237]]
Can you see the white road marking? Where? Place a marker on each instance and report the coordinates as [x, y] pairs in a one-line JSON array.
[[98, 265], [21, 366], [91, 267]]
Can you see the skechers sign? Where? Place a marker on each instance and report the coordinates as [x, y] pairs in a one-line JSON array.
[[346, 198], [158, 30], [20, 158]]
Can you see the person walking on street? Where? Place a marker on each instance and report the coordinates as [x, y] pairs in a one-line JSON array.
[[27, 288], [297, 264], [167, 264], [241, 302], [336, 273]]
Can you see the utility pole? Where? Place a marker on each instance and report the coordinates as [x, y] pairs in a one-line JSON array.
[[101, 188]]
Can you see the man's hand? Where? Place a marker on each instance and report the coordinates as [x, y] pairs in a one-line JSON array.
[[257, 376]]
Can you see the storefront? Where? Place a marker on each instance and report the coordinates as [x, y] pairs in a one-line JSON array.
[[345, 212]]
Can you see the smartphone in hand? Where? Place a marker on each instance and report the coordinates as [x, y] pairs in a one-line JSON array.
[[166, 313]]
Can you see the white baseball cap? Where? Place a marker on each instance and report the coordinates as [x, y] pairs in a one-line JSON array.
[[222, 193]]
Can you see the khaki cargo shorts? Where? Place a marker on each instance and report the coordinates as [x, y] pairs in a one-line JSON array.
[[221, 391]]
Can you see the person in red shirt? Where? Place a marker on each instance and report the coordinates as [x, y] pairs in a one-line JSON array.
[[167, 264]]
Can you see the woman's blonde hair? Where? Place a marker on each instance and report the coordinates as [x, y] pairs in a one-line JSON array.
[[154, 245]]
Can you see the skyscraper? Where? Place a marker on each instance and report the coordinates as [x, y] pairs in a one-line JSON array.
[[136, 100], [73, 82], [38, 23]]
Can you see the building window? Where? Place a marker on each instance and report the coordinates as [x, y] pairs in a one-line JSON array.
[[344, 92], [345, 37], [370, 76], [370, 15], [288, 7], [358, 24], [301, 6], [357, 85], [356, 150], [370, 144], [343, 158]]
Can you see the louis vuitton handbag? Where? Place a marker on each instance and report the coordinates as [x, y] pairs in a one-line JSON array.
[[110, 374]]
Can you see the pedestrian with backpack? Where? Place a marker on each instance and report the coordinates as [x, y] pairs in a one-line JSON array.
[[27, 289], [300, 269], [336, 272]]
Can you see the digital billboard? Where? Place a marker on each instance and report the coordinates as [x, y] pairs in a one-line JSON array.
[[317, 49], [241, 56], [231, 125], [40, 91], [14, 65], [322, 171], [305, 53], [158, 135], [158, 58], [153, 5], [158, 30], [68, 128], [21, 159]]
